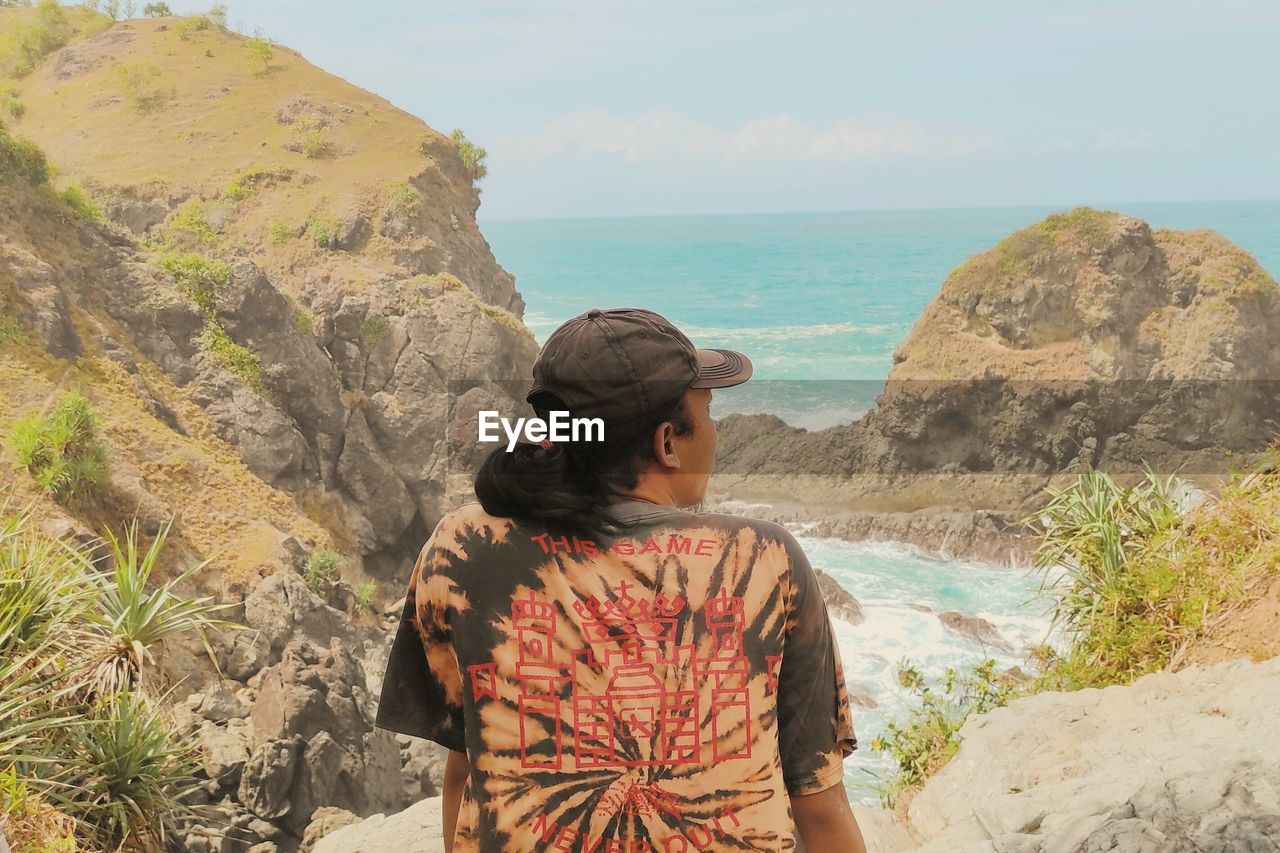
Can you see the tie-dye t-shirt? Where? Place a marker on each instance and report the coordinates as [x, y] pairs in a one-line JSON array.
[[661, 689]]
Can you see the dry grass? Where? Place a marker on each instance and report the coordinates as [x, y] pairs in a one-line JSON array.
[[218, 501]]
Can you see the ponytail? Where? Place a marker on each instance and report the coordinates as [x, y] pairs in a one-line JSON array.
[[568, 485]]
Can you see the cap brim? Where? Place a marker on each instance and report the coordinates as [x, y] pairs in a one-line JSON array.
[[721, 368]]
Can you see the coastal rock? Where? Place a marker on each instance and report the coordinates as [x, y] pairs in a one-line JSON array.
[[316, 698], [975, 628], [1087, 338], [840, 602], [375, 399], [1184, 761]]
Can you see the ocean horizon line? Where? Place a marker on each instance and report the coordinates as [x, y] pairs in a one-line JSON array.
[[1101, 205]]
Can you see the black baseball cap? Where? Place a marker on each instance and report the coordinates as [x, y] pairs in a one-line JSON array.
[[622, 363]]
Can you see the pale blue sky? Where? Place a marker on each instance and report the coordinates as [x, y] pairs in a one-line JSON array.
[[591, 107]]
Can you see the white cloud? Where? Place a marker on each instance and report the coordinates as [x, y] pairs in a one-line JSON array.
[[665, 134], [1111, 140]]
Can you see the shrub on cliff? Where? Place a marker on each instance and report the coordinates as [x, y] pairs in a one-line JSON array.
[[197, 276], [189, 26], [260, 54], [189, 227], [1137, 582], [62, 451], [81, 204], [324, 569], [1134, 580], [927, 739], [324, 229], [473, 156], [219, 347], [311, 138], [136, 618], [27, 820], [126, 774], [247, 181], [9, 100], [401, 197], [10, 329]]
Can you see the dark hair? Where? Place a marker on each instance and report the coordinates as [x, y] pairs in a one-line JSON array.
[[567, 485]]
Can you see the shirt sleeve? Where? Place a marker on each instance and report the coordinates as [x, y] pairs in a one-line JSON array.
[[815, 722], [422, 688]]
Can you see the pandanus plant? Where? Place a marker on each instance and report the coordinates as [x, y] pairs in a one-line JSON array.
[[135, 618]]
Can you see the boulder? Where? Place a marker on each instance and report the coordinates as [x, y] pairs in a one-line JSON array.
[[840, 603], [316, 697], [325, 821], [282, 607], [1174, 761], [268, 777], [975, 628], [417, 829], [224, 750]]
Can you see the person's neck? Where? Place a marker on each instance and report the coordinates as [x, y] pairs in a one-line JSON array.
[[650, 492]]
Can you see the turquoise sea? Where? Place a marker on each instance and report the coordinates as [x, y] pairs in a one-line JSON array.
[[817, 300], [819, 297]]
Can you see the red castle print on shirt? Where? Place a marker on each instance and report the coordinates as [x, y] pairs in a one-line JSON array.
[[631, 648]]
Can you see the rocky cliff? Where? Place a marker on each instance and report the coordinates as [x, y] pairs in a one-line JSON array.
[[355, 273], [1086, 338], [280, 323]]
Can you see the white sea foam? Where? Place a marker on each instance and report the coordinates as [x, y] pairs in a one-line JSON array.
[[893, 581], [785, 333]]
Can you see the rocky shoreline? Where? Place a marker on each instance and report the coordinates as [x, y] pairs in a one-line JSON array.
[[979, 535]]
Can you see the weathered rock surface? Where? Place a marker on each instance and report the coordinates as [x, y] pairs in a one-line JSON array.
[[976, 628], [840, 603], [417, 829], [299, 735], [1175, 761]]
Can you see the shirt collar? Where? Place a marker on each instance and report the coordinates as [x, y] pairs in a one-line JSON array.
[[632, 511]]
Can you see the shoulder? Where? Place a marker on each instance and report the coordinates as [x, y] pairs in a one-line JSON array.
[[469, 520], [762, 529]]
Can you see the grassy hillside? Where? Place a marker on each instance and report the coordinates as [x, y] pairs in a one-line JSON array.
[[266, 153]]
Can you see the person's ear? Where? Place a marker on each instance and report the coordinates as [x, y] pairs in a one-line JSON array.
[[664, 449]]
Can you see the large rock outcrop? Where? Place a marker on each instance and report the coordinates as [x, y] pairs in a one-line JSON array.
[[1174, 761], [1087, 338], [291, 729]]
